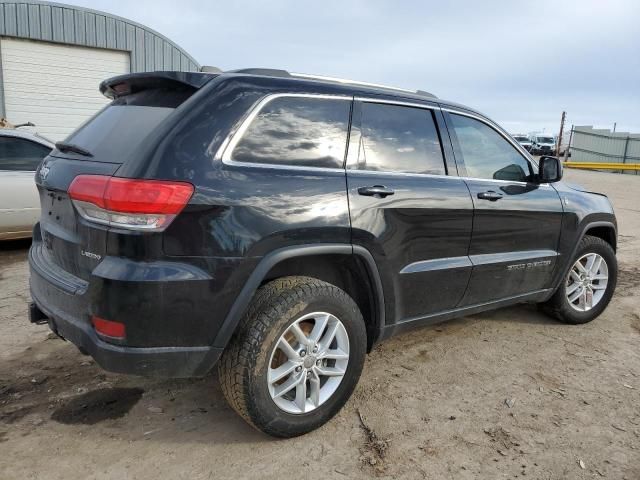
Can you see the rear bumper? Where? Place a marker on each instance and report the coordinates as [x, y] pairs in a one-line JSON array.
[[67, 302], [149, 361]]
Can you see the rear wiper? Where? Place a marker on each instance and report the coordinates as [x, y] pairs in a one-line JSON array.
[[70, 147]]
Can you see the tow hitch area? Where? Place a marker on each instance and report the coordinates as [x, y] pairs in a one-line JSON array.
[[36, 315]]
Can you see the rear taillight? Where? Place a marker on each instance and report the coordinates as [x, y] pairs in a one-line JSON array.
[[149, 205]]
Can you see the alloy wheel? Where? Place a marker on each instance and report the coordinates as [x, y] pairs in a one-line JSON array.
[[587, 282], [308, 362]]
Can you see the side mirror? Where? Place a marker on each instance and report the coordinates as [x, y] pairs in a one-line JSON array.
[[549, 169]]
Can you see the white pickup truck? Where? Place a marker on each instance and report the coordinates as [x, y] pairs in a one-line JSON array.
[[21, 152]]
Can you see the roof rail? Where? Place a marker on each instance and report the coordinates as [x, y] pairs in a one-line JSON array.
[[273, 72], [364, 84], [422, 93], [210, 69]]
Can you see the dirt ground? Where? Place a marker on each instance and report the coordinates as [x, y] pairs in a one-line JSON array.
[[507, 394]]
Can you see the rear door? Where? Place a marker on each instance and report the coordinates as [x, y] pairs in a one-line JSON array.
[[411, 215], [516, 223]]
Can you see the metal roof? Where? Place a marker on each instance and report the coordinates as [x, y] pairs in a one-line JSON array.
[[69, 24]]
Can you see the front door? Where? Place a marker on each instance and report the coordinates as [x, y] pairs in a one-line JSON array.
[[413, 217], [516, 222]]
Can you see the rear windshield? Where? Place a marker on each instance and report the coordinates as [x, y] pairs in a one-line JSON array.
[[119, 128]]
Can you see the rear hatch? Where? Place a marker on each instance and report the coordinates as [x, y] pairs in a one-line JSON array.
[[141, 103]]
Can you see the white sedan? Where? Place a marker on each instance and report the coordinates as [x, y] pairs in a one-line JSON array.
[[20, 154]]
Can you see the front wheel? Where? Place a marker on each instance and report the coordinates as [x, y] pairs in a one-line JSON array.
[[296, 357], [588, 286]]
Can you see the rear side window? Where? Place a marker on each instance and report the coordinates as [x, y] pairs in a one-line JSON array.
[[399, 139], [19, 154], [297, 131], [486, 153]]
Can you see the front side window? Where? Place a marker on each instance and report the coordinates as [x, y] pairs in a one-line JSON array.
[[486, 153], [399, 139], [297, 131], [19, 154]]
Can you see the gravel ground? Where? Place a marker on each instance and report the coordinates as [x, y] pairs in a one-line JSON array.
[[505, 394]]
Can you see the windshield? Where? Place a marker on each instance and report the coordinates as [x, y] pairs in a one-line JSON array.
[[545, 140], [521, 139]]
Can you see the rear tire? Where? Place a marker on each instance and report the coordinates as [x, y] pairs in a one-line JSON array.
[[571, 301], [293, 308]]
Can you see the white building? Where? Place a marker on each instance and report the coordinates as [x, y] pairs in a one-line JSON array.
[[54, 56]]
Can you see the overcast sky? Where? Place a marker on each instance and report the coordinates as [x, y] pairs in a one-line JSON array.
[[521, 63]]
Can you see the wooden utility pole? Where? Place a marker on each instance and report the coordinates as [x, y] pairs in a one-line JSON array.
[[564, 114], [566, 150]]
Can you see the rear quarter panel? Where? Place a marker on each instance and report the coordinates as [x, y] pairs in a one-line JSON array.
[[251, 211], [240, 211], [237, 214]]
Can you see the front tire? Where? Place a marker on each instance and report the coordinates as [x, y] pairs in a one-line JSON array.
[[296, 357], [588, 287]]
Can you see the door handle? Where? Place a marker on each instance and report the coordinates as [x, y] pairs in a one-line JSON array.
[[379, 191], [490, 195]]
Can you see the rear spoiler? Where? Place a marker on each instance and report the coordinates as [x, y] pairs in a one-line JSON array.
[[115, 87]]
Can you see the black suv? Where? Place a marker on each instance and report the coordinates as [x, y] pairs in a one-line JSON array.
[[280, 225]]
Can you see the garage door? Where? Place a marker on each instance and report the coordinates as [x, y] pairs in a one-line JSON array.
[[55, 86]]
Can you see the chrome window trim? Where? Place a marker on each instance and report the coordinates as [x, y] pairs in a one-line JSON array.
[[510, 182], [488, 123], [519, 148], [401, 174], [226, 148], [400, 103], [432, 175]]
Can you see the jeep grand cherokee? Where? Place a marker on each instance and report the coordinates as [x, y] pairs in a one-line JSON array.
[[279, 225]]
